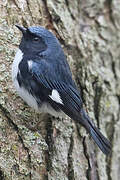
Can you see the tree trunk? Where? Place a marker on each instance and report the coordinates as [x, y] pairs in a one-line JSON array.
[[89, 32]]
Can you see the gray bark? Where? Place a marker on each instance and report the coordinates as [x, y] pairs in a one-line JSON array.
[[89, 32]]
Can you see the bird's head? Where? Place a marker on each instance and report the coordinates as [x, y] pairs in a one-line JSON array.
[[38, 40]]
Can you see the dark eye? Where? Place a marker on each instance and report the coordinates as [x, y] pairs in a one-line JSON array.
[[35, 39]]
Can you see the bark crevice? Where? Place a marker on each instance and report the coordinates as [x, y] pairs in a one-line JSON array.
[[7, 115], [70, 160]]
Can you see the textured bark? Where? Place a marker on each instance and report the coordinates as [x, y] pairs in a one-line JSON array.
[[89, 32]]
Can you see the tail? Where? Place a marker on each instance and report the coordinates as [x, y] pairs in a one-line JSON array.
[[97, 136], [100, 140]]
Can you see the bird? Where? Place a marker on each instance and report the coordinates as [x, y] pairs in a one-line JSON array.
[[43, 79]]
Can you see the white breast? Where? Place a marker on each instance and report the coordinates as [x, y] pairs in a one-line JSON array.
[[17, 60], [23, 93]]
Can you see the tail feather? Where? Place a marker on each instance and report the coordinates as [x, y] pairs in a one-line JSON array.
[[100, 140], [97, 136]]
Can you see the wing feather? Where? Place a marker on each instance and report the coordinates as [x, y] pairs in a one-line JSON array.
[[46, 80]]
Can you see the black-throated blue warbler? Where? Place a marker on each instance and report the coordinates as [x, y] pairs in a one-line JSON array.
[[43, 79]]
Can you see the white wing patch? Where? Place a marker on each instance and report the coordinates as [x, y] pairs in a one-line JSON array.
[[30, 62], [55, 96]]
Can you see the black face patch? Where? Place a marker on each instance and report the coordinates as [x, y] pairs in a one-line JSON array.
[[32, 44]]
